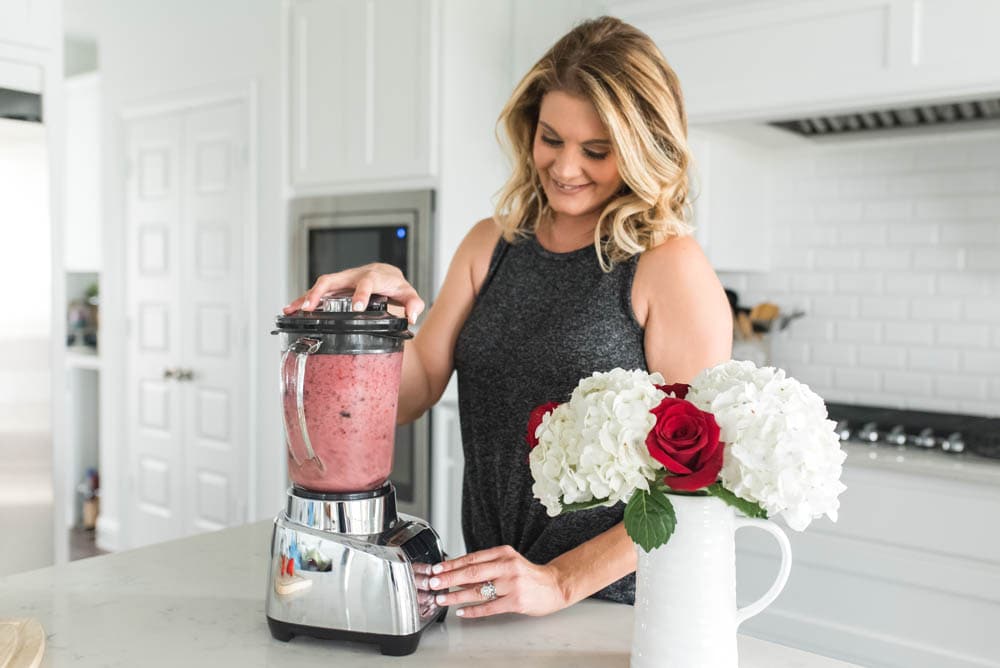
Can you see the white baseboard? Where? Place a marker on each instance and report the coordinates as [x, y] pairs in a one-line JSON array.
[[108, 534]]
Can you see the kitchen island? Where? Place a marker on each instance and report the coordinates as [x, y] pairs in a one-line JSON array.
[[200, 602]]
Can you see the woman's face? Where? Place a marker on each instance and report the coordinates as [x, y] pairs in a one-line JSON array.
[[574, 156]]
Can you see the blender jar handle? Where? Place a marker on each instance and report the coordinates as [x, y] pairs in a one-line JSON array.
[[302, 349]]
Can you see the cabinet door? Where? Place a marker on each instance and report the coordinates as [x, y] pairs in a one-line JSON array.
[[213, 343], [360, 90], [28, 22], [397, 113], [750, 60], [956, 41], [754, 61], [153, 401], [730, 179]]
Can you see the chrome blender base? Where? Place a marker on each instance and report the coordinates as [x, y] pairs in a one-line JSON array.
[[388, 645], [348, 567]]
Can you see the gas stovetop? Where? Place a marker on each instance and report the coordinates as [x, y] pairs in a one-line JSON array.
[[946, 432]]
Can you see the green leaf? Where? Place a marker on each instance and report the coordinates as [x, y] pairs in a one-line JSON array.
[[583, 505], [748, 508], [650, 518]]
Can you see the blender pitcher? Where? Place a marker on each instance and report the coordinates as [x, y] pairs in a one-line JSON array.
[[340, 374]]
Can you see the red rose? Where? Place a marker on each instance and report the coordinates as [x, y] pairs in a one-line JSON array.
[[686, 441], [536, 419], [679, 390]]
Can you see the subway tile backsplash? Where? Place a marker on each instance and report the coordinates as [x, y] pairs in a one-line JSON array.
[[892, 247]]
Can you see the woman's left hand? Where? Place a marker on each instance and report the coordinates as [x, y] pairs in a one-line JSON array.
[[521, 586]]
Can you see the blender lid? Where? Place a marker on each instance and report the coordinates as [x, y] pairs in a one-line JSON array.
[[334, 316]]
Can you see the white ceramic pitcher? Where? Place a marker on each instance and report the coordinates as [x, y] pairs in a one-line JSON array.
[[685, 597]]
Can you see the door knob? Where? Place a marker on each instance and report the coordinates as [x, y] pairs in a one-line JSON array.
[[170, 373], [185, 374]]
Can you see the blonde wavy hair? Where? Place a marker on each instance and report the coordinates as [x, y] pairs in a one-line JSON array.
[[638, 98]]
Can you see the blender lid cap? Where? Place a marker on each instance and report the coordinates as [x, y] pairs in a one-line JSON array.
[[334, 316]]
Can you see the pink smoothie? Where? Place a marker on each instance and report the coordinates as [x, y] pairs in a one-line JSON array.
[[350, 407]]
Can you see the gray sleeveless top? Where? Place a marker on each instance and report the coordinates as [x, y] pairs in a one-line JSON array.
[[541, 321]]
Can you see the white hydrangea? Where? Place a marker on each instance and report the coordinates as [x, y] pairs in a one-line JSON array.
[[594, 446], [781, 450]]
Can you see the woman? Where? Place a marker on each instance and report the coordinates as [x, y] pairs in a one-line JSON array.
[[587, 265]]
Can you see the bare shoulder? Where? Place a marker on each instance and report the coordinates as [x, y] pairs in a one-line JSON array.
[[683, 307], [672, 271], [477, 249], [676, 255], [483, 234]]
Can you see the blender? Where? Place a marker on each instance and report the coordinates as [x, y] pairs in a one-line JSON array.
[[344, 563]]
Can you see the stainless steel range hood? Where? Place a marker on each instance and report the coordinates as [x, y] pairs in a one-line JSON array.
[[965, 114]]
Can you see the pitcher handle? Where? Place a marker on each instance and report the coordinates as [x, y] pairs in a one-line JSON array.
[[748, 611], [302, 349]]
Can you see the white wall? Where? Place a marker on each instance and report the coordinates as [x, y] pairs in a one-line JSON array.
[[475, 76], [154, 52], [892, 246]]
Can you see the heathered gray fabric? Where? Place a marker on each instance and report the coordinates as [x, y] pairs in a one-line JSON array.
[[541, 322]]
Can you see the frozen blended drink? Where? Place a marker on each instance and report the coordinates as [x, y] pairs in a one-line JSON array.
[[349, 402]]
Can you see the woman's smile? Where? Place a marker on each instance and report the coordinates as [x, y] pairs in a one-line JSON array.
[[568, 188]]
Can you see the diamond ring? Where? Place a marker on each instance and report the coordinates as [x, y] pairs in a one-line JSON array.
[[488, 591]]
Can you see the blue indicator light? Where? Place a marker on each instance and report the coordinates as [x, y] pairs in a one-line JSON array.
[[400, 232]]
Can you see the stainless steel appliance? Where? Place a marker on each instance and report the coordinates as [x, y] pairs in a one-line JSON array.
[[338, 232], [344, 563], [350, 567], [954, 434]]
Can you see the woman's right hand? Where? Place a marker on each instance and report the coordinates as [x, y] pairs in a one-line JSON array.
[[377, 278]]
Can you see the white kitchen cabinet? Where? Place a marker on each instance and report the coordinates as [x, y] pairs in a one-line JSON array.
[[764, 60], [360, 91], [83, 174], [729, 181], [27, 22], [908, 577]]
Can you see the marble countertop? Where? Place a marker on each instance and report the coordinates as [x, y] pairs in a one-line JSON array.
[[200, 602]]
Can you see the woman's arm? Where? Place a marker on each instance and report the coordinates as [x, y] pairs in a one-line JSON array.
[[534, 589], [428, 359], [683, 307]]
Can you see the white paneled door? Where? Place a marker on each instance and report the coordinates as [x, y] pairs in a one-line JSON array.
[[187, 348]]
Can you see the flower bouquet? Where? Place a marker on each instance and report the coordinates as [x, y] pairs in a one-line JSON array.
[[738, 437], [753, 437]]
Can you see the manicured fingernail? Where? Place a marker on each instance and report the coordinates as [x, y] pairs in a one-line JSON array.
[[305, 305], [435, 582], [440, 599], [460, 613], [359, 306], [437, 568]]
